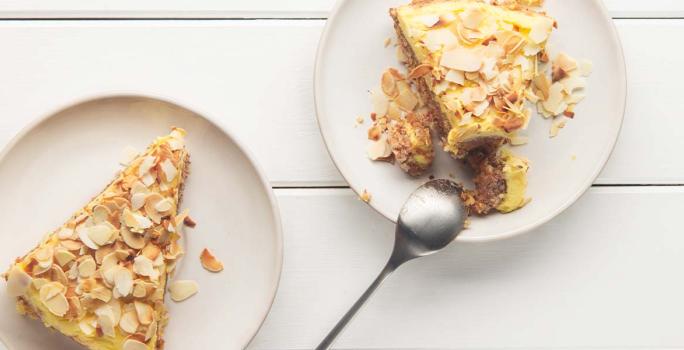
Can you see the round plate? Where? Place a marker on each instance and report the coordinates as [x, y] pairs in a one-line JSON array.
[[351, 58], [57, 165]]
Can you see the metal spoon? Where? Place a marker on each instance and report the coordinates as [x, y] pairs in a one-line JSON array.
[[431, 218]]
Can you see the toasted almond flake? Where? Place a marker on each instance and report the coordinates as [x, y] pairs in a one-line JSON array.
[[169, 170], [138, 187], [380, 103], [58, 275], [106, 320], [139, 289], [129, 322], [210, 262], [428, 20], [565, 62], [183, 289], [480, 108], [133, 240], [65, 233], [50, 289], [86, 266], [144, 312], [100, 234], [472, 17], [151, 330], [44, 254], [145, 166], [101, 293], [437, 39], [420, 71], [143, 266], [132, 344], [63, 256], [135, 221], [455, 76], [575, 98], [123, 281], [72, 274], [100, 214], [585, 68], [164, 205], [83, 235], [18, 282], [38, 283], [57, 305], [138, 200], [388, 41], [572, 83], [540, 30], [406, 99], [87, 326], [556, 126], [541, 82], [554, 103], [463, 59], [379, 149], [149, 179]]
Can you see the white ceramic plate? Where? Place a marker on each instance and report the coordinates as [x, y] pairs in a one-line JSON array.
[[55, 166], [351, 58]]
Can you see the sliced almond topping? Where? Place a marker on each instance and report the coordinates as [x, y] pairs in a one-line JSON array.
[[50, 289], [150, 207], [123, 281], [138, 200], [462, 59], [100, 214], [380, 103], [63, 256], [420, 71], [101, 293], [455, 76], [472, 17], [65, 233], [142, 265], [406, 99], [87, 326], [210, 262], [151, 330], [168, 170], [129, 322], [145, 312], [183, 289], [83, 235], [44, 254], [38, 283], [428, 20], [86, 266], [379, 149], [100, 234], [164, 205], [58, 275], [565, 62], [540, 30], [106, 320], [136, 222], [440, 38], [132, 344], [58, 305], [554, 103], [133, 240], [71, 245], [145, 166], [151, 251], [388, 83], [18, 282]]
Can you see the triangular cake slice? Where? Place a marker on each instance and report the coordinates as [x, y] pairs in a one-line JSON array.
[[100, 278]]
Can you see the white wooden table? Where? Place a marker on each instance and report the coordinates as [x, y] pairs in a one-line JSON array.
[[607, 274]]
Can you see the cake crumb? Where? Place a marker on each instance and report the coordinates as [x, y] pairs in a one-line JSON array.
[[466, 224], [359, 121], [388, 41], [365, 196]]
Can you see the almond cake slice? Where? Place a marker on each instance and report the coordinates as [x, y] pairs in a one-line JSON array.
[[100, 279], [478, 61]]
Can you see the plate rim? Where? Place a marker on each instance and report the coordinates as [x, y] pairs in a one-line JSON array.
[[263, 180], [585, 186]]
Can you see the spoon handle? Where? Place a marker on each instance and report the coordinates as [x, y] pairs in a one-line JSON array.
[[339, 327]]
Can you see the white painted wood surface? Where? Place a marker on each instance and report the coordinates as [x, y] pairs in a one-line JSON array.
[[253, 9], [601, 276], [227, 69]]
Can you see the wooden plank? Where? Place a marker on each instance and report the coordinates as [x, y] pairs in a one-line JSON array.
[[253, 9], [255, 79], [603, 275]]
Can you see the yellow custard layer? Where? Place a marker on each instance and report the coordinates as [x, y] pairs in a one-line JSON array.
[[515, 172]]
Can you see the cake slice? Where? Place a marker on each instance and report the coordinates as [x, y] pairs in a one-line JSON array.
[[100, 278], [474, 63]]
